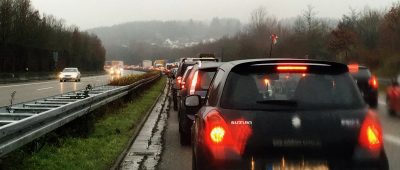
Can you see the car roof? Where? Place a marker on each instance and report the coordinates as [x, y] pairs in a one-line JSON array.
[[71, 68], [206, 65], [229, 65]]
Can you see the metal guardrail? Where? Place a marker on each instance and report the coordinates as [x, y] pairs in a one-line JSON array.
[[22, 123]]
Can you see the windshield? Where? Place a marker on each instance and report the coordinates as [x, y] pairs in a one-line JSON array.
[[70, 70], [304, 91]]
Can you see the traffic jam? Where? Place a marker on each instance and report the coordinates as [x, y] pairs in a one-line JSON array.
[[280, 114]]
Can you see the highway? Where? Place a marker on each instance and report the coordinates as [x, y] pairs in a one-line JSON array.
[[35, 90], [179, 157]]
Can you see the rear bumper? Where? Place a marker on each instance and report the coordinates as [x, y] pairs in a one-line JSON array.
[[228, 159]]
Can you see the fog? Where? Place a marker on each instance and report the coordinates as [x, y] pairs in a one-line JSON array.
[[94, 13]]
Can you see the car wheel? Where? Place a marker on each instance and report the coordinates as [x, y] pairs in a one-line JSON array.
[[193, 162], [61, 80], [199, 163], [373, 103], [184, 139], [389, 108], [175, 100]]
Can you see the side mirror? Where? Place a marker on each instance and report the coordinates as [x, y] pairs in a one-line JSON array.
[[193, 101]]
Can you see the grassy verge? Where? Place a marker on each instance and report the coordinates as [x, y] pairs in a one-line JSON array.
[[97, 151], [130, 79]]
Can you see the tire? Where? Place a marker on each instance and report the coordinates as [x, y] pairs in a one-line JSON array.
[[373, 103], [198, 163], [175, 100], [184, 139], [194, 167], [389, 109], [61, 80]]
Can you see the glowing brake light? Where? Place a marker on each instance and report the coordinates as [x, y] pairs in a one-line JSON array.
[[179, 80], [194, 83], [353, 68], [217, 134], [215, 127], [183, 85], [292, 68], [371, 133], [373, 82]]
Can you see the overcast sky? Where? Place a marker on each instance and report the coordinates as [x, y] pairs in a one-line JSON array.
[[94, 13]]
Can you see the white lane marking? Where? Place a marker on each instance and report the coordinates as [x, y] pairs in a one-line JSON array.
[[392, 139], [17, 85], [28, 84], [45, 88]]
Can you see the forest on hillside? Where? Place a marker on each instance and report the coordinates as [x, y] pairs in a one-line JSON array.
[[30, 41]]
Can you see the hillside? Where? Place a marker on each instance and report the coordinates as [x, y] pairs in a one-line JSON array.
[[134, 41]]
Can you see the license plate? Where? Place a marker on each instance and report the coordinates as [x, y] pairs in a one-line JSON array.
[[297, 166]]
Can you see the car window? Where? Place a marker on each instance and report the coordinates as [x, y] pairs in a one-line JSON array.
[[212, 93], [362, 73], [187, 72], [183, 68], [263, 90], [205, 77]]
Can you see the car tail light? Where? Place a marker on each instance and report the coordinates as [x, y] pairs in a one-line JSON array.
[[183, 85], [217, 134], [292, 68], [353, 68], [221, 137], [194, 83], [371, 132], [216, 127], [179, 80], [373, 82]]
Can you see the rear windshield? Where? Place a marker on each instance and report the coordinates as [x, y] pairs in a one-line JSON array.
[[362, 73], [187, 72], [183, 69], [263, 90]]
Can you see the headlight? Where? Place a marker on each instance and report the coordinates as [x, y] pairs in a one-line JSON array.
[[61, 75]]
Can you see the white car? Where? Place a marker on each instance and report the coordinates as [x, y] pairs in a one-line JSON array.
[[70, 74]]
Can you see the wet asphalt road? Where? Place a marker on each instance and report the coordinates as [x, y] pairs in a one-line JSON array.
[[177, 157], [174, 156], [39, 89]]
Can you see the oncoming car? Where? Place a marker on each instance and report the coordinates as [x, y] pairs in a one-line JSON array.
[[70, 74], [299, 114]]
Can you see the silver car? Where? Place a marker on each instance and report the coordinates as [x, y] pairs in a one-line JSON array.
[[70, 74]]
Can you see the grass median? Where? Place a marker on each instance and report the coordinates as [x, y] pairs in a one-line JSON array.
[[100, 148]]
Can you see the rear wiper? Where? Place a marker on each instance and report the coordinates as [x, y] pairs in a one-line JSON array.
[[279, 102]]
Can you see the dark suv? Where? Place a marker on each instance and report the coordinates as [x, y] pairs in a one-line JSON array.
[[197, 82], [367, 83], [300, 114]]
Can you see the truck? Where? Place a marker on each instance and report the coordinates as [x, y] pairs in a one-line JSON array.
[[159, 64], [114, 67], [147, 64]]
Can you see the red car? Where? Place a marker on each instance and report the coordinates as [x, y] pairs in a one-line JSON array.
[[393, 98]]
